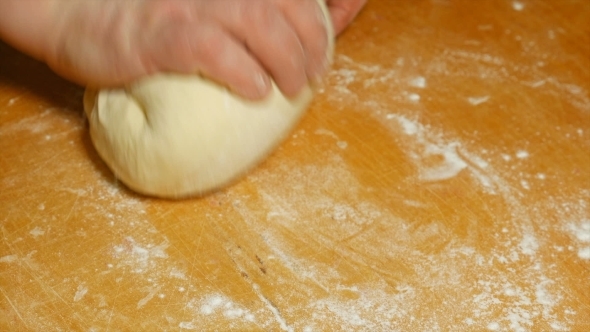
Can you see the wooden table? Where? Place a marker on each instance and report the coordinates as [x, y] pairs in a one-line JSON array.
[[439, 182]]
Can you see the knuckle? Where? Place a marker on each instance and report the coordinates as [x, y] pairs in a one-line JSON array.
[[263, 14], [207, 50]]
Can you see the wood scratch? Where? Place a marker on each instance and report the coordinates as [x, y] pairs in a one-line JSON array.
[[72, 208], [148, 297], [358, 233], [13, 307], [273, 308], [111, 312], [32, 267]]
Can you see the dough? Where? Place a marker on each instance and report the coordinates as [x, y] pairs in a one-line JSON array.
[[174, 136]]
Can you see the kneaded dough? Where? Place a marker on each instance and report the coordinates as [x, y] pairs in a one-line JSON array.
[[174, 136]]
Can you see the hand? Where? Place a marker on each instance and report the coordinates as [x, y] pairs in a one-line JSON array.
[[343, 12], [241, 43]]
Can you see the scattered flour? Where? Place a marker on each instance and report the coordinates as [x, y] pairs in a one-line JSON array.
[[414, 97], [527, 295], [517, 5], [422, 148], [418, 82], [522, 154], [80, 292], [511, 285], [178, 274], [584, 253], [478, 100], [409, 127], [37, 231], [137, 257], [529, 244], [12, 101], [8, 259], [581, 232], [214, 305], [493, 326]]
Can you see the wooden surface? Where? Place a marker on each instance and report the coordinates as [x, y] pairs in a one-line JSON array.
[[440, 182]]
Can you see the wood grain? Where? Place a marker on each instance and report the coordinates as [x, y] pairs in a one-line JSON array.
[[439, 182]]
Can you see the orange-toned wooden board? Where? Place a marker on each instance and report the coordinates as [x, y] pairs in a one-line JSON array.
[[439, 182]]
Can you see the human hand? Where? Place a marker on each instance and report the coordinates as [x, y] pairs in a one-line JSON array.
[[343, 12], [239, 43]]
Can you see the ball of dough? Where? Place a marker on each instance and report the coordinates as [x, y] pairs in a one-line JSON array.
[[175, 136]]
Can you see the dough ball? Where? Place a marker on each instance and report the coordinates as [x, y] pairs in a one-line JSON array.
[[175, 136]]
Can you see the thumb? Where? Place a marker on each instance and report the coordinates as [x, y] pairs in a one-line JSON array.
[[343, 12]]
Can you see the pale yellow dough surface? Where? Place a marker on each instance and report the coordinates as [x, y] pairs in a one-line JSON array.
[[175, 136]]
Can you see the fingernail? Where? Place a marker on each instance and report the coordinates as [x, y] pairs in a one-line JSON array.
[[262, 84], [321, 70]]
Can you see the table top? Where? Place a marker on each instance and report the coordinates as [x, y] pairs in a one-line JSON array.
[[440, 181]]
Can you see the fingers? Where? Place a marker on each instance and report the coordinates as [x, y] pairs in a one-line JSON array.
[[288, 38], [239, 43], [343, 12], [212, 52], [271, 40], [242, 44], [308, 21]]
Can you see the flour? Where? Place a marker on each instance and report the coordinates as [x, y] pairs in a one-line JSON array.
[[581, 232], [584, 253], [375, 308], [217, 305], [528, 245], [522, 154], [90, 206], [178, 274], [418, 82], [36, 232], [340, 143], [512, 276], [188, 326], [478, 100], [449, 163], [515, 283], [8, 259], [80, 292], [137, 257], [493, 326], [211, 304], [414, 97], [517, 5], [538, 84], [409, 127], [12, 101]]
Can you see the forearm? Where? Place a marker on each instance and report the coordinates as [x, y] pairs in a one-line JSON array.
[[29, 24]]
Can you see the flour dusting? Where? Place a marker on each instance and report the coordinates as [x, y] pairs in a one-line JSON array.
[[37, 231], [437, 231], [512, 286], [478, 100], [80, 292], [517, 5], [418, 82], [581, 232]]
